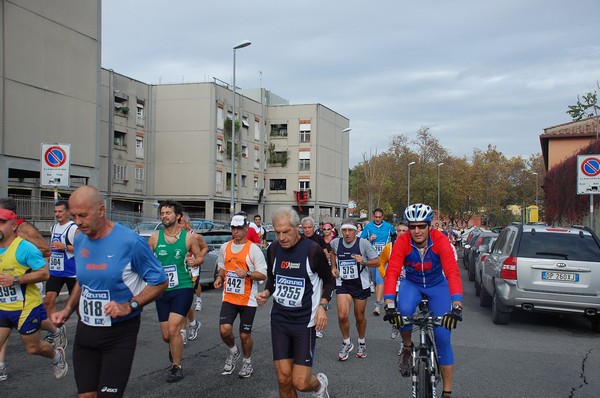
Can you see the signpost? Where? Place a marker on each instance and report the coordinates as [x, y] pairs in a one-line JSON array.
[[56, 166], [588, 179]]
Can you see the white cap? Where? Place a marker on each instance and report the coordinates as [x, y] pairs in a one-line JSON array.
[[238, 221]]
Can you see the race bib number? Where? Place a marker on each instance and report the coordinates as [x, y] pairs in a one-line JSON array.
[[378, 246], [10, 294], [91, 307], [57, 262], [289, 291], [348, 269], [235, 284], [171, 271]]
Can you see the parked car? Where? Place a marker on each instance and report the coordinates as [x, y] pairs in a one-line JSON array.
[[470, 240], [483, 238], [148, 226], [543, 268], [484, 251]]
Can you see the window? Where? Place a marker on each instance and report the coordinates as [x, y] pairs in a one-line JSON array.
[[256, 158], [139, 147], [244, 151], [256, 189], [139, 174], [277, 184], [279, 130], [119, 172], [245, 123], [304, 185], [305, 132], [228, 181], [219, 182], [256, 129], [220, 150], [120, 104], [244, 178], [139, 116], [304, 161], [120, 139], [220, 120]]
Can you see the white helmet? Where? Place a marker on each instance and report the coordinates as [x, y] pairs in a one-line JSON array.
[[418, 212]]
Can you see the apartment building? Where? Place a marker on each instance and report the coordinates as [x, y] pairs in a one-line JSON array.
[[141, 143]]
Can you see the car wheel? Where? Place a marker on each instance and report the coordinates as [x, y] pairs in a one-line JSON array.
[[595, 320], [477, 288], [499, 317], [471, 273], [485, 300]]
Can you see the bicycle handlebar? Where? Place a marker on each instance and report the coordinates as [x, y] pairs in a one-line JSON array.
[[422, 320]]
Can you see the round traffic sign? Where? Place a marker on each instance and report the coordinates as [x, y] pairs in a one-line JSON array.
[[55, 156]]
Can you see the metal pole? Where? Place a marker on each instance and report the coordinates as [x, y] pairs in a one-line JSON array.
[[408, 188], [346, 130], [536, 187], [242, 44], [438, 206]]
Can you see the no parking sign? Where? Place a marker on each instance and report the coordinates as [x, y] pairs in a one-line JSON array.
[[56, 165], [588, 174]]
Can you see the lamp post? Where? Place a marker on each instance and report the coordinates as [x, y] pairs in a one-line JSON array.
[[408, 190], [346, 130], [242, 44], [438, 207], [536, 187]]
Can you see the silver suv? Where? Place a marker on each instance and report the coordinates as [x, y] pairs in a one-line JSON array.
[[543, 268]]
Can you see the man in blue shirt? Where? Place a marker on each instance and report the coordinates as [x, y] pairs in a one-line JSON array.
[[379, 233]]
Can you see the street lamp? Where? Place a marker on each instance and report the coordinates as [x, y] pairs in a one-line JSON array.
[[346, 130], [438, 208], [242, 44], [536, 187], [408, 190]]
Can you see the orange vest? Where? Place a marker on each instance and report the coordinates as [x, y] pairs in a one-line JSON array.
[[238, 290]]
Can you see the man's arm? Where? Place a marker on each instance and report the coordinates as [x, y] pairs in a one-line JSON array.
[[147, 295], [30, 233], [192, 245]]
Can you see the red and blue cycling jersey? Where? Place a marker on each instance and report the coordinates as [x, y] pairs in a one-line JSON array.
[[428, 268]]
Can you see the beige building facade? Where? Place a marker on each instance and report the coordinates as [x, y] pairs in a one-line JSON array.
[[141, 143]]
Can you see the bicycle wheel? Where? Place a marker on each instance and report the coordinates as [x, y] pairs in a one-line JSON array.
[[424, 377]]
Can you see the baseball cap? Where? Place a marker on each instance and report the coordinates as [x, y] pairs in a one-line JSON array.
[[238, 221], [7, 215]]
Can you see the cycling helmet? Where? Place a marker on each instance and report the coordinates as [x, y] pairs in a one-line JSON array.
[[418, 212]]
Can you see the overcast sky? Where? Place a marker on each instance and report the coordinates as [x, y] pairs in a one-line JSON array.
[[475, 72]]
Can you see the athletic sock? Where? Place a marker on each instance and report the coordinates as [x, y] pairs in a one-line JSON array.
[[248, 360], [193, 323], [362, 341], [233, 350], [347, 341]]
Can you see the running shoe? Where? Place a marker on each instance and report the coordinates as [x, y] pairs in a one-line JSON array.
[[377, 310], [61, 367], [362, 350], [404, 361], [175, 374], [198, 304], [372, 287], [246, 370], [60, 338], [322, 393], [194, 330], [3, 373], [49, 338], [395, 333], [184, 336], [345, 351], [319, 334], [230, 362]]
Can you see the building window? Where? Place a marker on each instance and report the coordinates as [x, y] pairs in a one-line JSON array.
[[139, 116], [139, 174], [121, 104], [244, 151], [220, 119], [256, 189], [220, 150], [277, 184], [304, 161], [139, 147], [119, 172], [120, 139], [244, 179], [219, 182], [279, 130], [256, 158], [304, 132], [228, 181], [304, 185], [245, 123], [256, 130]]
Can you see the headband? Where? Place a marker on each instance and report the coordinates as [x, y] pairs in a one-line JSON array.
[[349, 226]]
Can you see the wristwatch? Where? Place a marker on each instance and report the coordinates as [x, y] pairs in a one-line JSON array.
[[457, 307], [134, 305], [249, 273], [15, 280], [325, 306]]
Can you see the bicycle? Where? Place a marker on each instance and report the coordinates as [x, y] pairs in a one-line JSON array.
[[425, 371]]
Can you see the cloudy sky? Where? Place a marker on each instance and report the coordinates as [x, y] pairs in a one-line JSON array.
[[475, 72]]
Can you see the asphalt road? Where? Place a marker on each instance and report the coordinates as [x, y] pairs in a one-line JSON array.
[[535, 355]]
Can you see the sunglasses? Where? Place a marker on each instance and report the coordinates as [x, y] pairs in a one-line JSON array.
[[326, 229], [418, 226]]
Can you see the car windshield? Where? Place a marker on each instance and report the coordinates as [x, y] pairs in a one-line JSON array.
[[561, 246]]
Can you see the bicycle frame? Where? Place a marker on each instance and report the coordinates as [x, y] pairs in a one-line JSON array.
[[424, 356]]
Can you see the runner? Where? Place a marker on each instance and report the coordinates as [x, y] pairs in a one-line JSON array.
[[21, 267], [299, 279], [171, 246], [241, 264], [350, 258], [117, 275]]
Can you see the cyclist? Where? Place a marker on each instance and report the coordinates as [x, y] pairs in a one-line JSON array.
[[430, 268]]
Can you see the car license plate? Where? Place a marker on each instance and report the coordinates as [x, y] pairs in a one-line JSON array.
[[560, 276]]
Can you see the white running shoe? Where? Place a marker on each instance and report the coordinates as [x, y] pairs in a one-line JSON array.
[[3, 373], [322, 393], [230, 362], [194, 330], [345, 351], [395, 333], [246, 370], [198, 304], [184, 336], [319, 334], [61, 367]]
